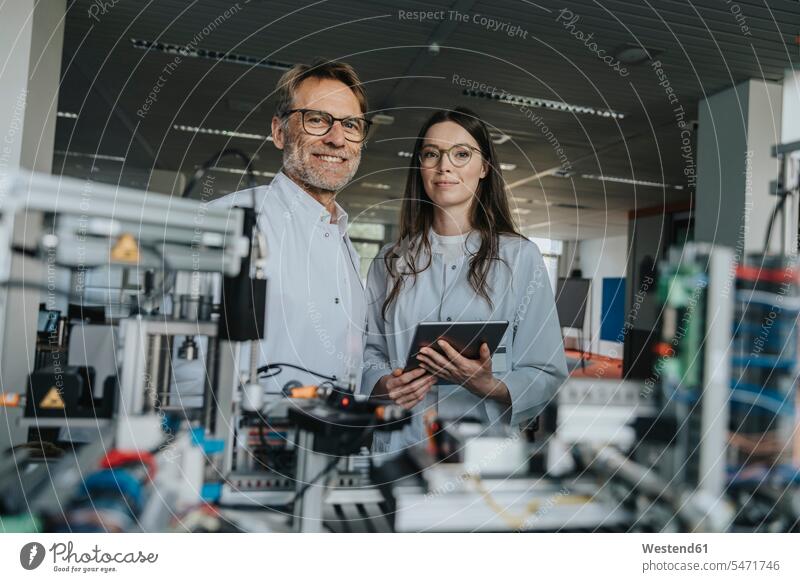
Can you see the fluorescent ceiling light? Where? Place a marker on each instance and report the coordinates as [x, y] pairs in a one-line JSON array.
[[382, 119], [522, 211], [375, 186], [66, 114], [499, 138], [105, 157], [225, 132], [220, 56], [621, 180], [520, 200], [507, 167], [633, 55], [241, 171], [405, 154], [522, 100]]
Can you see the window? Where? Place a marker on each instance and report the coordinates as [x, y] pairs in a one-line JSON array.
[[551, 250], [367, 230], [367, 239]]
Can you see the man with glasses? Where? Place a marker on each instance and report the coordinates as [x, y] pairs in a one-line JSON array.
[[316, 309]]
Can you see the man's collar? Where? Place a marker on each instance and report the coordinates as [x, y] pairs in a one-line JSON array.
[[307, 205]]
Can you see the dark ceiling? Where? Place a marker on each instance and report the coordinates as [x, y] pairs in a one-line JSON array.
[[702, 45]]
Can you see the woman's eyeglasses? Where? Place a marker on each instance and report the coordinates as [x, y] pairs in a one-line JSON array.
[[459, 155], [319, 123]]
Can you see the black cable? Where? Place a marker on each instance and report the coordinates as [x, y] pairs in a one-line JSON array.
[[331, 464], [784, 194], [327, 469], [21, 250], [274, 373], [213, 160], [306, 486], [280, 365]]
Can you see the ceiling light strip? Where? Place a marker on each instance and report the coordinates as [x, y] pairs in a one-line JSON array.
[[376, 185], [219, 56], [241, 172], [225, 132], [622, 180], [539, 103], [105, 157]]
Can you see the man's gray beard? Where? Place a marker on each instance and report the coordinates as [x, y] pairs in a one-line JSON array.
[[296, 164]]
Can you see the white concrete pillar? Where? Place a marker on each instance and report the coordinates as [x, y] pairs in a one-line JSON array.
[[31, 41], [737, 129], [790, 133], [790, 122]]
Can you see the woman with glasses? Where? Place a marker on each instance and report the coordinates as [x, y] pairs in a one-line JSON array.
[[460, 258]]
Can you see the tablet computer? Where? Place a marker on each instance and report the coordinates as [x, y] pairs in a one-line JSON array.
[[464, 336]]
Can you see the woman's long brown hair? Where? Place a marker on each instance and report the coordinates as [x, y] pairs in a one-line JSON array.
[[491, 215]]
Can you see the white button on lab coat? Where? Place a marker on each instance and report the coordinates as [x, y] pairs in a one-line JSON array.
[[534, 365]]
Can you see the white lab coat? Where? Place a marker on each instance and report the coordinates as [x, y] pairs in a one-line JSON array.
[[535, 365], [316, 309]]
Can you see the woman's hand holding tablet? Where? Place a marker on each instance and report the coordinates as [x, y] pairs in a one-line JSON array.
[[406, 389], [466, 337], [475, 375], [460, 353]]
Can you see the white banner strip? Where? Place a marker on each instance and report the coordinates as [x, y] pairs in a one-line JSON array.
[[390, 557]]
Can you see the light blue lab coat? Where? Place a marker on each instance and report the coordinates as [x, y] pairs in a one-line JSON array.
[[534, 365]]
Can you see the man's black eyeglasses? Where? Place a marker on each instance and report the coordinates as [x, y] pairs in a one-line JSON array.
[[320, 122]]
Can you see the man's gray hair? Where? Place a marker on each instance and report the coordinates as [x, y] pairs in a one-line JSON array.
[[319, 69]]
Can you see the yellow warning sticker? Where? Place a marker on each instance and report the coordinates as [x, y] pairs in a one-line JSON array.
[[52, 399], [126, 249]]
